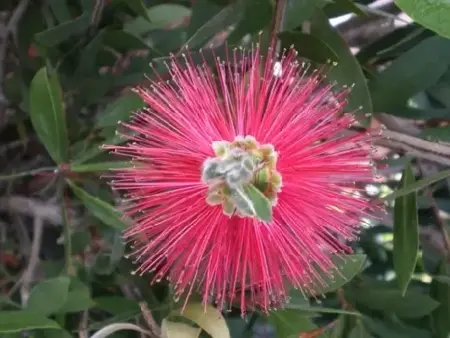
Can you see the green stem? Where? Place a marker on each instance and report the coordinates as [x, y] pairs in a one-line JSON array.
[[251, 322], [70, 269], [27, 173]]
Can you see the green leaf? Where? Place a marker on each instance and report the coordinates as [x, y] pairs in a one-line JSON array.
[[309, 46], [96, 150], [442, 279], [440, 134], [208, 20], [298, 11], [123, 41], [348, 71], [391, 301], [434, 15], [261, 206], [78, 298], [88, 6], [100, 209], [160, 16], [339, 328], [117, 305], [53, 333], [290, 322], [359, 331], [441, 292], [88, 57], [406, 232], [171, 329], [249, 22], [398, 37], [103, 264], [48, 296], [350, 6], [100, 166], [347, 267], [418, 185], [18, 321], [412, 72], [119, 110], [392, 328], [55, 35], [206, 317], [310, 311], [60, 9], [47, 114], [138, 7]]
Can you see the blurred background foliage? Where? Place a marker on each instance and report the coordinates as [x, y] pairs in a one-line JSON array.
[[66, 69]]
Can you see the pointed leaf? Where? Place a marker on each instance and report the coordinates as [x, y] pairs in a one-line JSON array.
[[208, 318], [441, 292], [413, 304], [406, 233], [19, 321], [350, 6], [298, 11], [414, 71], [78, 298], [434, 15], [309, 46], [418, 185], [117, 305], [47, 113], [60, 9], [100, 209], [290, 322], [261, 205], [250, 23], [347, 267], [442, 279], [96, 150], [311, 311], [60, 33], [359, 331], [48, 296], [217, 19], [119, 110], [161, 16], [138, 7], [100, 166], [347, 71], [53, 333]]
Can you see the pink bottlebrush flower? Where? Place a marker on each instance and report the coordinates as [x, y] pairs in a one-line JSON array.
[[242, 181]]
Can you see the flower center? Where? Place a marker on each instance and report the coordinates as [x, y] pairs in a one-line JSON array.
[[243, 178]]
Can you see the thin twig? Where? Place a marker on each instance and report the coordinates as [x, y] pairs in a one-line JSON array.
[[420, 153], [97, 12], [82, 327], [279, 20], [26, 173], [25, 280], [151, 323], [130, 291], [66, 226], [417, 143], [31, 207]]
